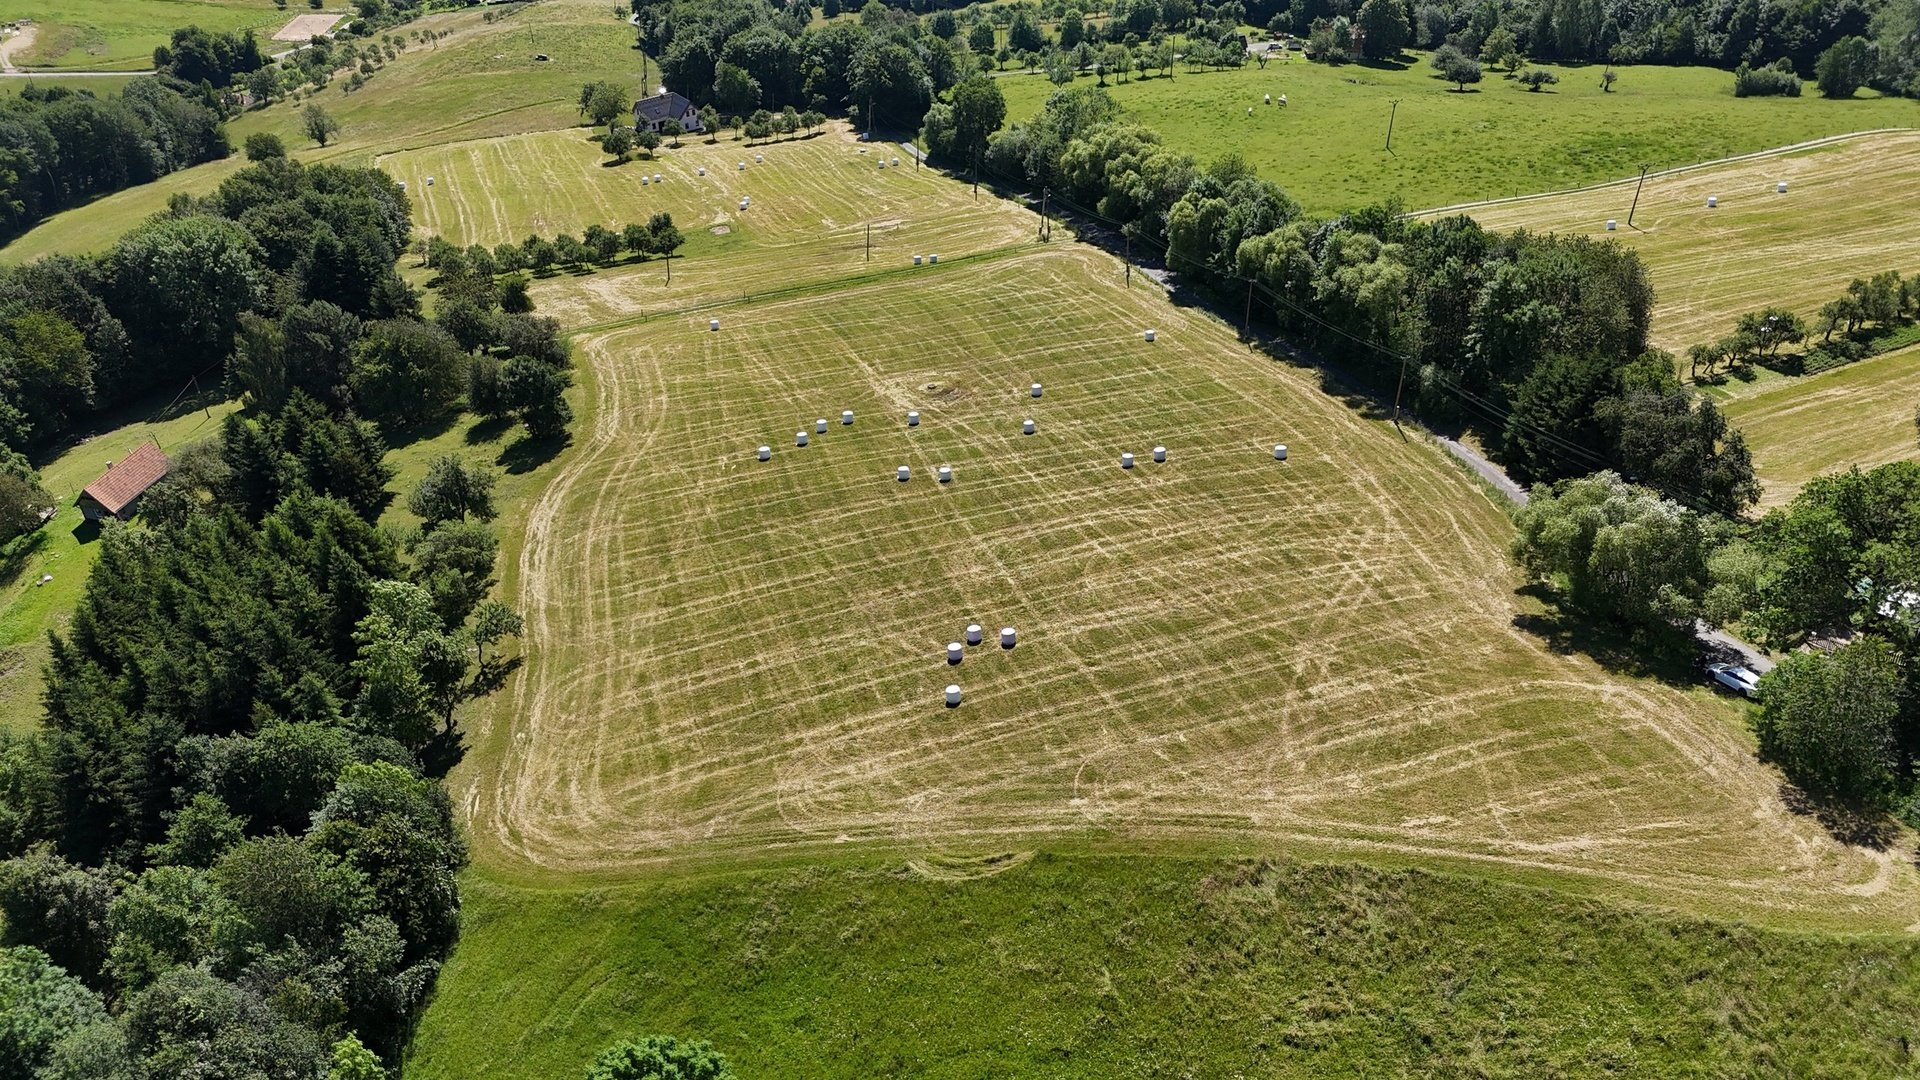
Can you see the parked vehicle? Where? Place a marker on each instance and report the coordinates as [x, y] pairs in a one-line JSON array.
[[1734, 677]]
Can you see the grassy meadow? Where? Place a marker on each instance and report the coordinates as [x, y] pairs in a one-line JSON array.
[[1327, 145], [1851, 209], [1067, 967], [1861, 414], [120, 35]]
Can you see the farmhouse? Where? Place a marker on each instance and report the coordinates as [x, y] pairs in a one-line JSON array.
[[120, 487], [651, 113]]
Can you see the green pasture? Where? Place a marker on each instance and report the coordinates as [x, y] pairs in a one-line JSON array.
[[1145, 967], [1327, 145], [1859, 415], [120, 35], [480, 81]]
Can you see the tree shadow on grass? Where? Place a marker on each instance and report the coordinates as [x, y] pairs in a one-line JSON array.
[[1398, 62], [1844, 822], [443, 752], [489, 430], [431, 428], [527, 453], [16, 553], [1670, 655]]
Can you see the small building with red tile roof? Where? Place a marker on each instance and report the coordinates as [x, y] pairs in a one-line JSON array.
[[120, 487]]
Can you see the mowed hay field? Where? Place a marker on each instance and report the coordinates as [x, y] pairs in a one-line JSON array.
[[1327, 145], [1861, 414], [813, 202], [117, 35], [733, 661], [1852, 209]]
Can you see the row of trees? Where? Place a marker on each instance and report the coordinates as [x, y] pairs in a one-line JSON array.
[[1538, 342], [1846, 45], [60, 147], [1883, 301], [597, 244]]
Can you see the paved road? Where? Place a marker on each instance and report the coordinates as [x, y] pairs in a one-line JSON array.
[[1718, 640]]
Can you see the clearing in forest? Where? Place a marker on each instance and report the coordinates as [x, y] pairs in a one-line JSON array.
[[1861, 414], [1851, 209], [732, 661]]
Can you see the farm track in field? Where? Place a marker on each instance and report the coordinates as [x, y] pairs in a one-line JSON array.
[[1851, 209], [732, 661]]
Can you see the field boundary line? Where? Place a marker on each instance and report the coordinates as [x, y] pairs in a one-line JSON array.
[[1677, 170]]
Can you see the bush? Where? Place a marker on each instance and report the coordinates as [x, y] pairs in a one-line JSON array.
[[1828, 718], [1775, 80], [1534, 78], [659, 1057]]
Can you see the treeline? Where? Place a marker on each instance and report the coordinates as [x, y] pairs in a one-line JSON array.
[[1878, 40], [743, 55], [597, 244], [60, 148], [1885, 302], [227, 855], [1538, 342], [226, 852]]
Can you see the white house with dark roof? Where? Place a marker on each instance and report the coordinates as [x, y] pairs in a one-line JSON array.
[[650, 113]]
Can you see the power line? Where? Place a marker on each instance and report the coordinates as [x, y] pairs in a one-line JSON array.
[[1570, 453]]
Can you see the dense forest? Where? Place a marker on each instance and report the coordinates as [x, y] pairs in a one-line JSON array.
[[60, 147], [227, 850]]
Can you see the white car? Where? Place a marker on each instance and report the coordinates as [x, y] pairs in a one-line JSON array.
[[1736, 678]]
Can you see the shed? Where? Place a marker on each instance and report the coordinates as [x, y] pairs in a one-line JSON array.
[[120, 487]]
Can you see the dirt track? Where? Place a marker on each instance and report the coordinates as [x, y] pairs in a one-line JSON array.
[[733, 662]]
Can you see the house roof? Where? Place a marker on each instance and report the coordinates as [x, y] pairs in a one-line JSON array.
[[667, 106], [128, 479]]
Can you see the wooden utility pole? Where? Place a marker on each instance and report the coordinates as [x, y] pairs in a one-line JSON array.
[[1397, 388], [1246, 321], [869, 241], [1636, 196], [1395, 111], [1046, 223]]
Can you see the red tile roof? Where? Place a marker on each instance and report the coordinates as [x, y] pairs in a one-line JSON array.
[[128, 479]]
